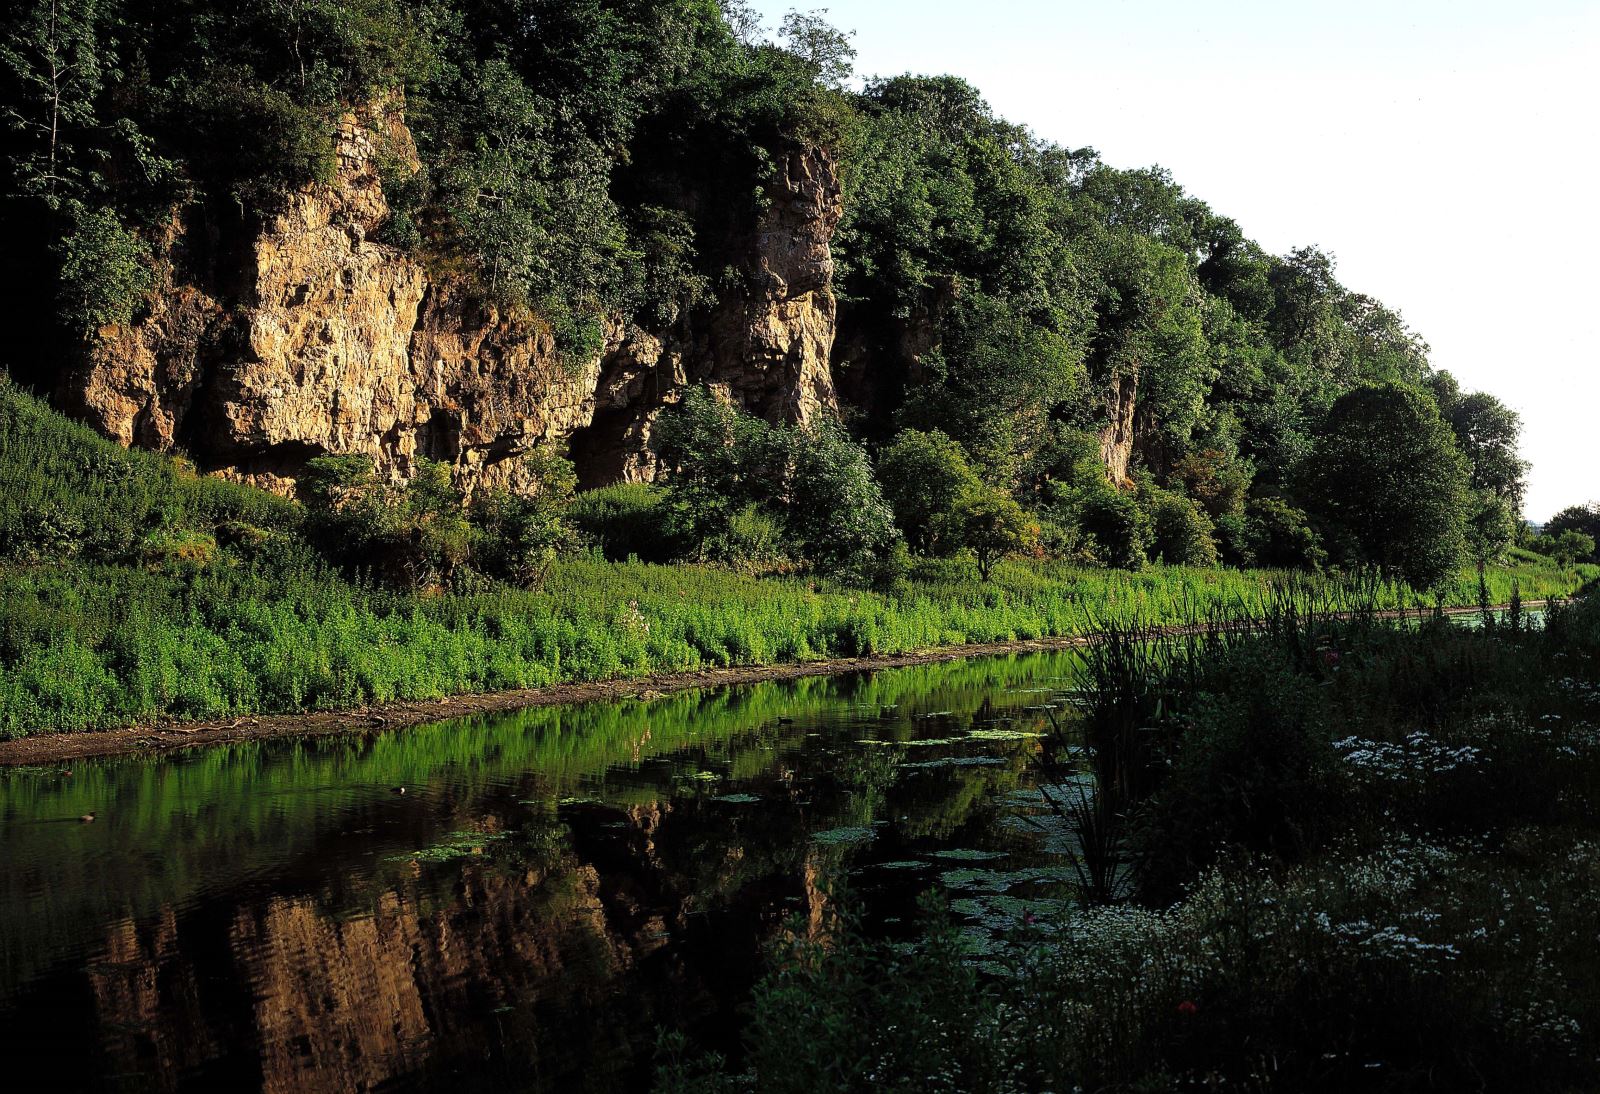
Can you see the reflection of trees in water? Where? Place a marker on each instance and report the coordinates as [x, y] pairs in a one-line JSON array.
[[503, 966], [570, 934]]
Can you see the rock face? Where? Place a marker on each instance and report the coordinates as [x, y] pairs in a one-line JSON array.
[[1117, 437], [265, 345], [766, 348]]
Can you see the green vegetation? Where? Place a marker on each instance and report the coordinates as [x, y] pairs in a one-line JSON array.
[[1390, 484], [132, 589], [1566, 531], [1072, 368], [1341, 855], [1024, 316]]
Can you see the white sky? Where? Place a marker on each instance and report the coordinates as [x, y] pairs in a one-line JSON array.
[[1445, 151]]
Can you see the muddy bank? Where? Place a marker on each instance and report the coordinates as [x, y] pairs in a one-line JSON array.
[[64, 747]]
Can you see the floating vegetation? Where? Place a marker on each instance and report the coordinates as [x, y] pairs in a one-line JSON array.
[[1007, 913], [954, 761], [964, 854], [697, 777], [923, 742], [458, 845], [1000, 881], [1050, 794], [1056, 834], [1003, 735], [737, 799], [842, 835]]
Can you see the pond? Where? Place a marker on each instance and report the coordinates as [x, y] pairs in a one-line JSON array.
[[514, 902]]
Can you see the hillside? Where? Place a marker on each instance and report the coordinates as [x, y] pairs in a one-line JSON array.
[[462, 232]]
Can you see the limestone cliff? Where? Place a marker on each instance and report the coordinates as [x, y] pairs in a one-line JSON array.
[[268, 343], [767, 347]]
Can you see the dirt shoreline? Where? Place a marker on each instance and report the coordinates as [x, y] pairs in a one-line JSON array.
[[57, 748]]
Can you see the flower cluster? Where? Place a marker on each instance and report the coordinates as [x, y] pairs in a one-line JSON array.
[[1418, 756]]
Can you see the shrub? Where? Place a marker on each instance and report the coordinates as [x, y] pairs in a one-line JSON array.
[[413, 535], [1117, 529], [992, 525], [815, 483], [1281, 536], [1181, 533], [924, 477], [516, 537], [1214, 479], [1565, 547], [628, 520], [105, 270], [1583, 519], [835, 510]]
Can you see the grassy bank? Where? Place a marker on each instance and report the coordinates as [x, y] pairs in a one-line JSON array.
[[1349, 857], [132, 590], [95, 646]]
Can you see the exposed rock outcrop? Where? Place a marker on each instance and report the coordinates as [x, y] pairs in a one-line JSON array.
[[1118, 435], [766, 348], [267, 344]]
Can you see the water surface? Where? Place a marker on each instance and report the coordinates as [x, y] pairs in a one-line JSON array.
[[551, 889]]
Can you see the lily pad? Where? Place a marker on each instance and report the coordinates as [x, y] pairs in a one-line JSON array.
[[459, 845], [1003, 735], [964, 854], [924, 742], [999, 881], [954, 761]]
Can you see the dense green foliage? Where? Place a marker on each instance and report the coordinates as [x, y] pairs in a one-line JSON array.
[[131, 589], [1356, 856], [1389, 483], [608, 159], [1021, 313], [744, 490], [557, 139], [1582, 520]]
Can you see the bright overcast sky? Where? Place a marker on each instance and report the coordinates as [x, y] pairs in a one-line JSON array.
[[1445, 151]]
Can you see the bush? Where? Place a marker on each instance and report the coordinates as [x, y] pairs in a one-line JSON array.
[[1281, 537], [1117, 529], [835, 511], [1181, 533], [1582, 519], [1250, 766], [105, 270], [992, 525], [815, 483], [517, 537], [628, 520], [1214, 479], [924, 477], [412, 536], [1565, 547]]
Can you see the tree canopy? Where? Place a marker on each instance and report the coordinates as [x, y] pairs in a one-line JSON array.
[[1010, 310], [1388, 484]]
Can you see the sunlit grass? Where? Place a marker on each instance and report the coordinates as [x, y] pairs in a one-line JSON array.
[[108, 626]]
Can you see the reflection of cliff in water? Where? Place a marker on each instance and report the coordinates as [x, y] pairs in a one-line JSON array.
[[518, 966], [554, 887], [176, 827]]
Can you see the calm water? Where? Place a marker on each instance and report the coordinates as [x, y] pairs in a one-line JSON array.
[[553, 887]]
